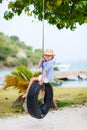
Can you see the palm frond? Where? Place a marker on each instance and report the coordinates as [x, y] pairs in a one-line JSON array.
[[24, 72], [20, 78], [37, 73]]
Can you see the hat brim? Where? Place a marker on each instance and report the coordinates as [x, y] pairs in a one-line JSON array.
[[51, 54]]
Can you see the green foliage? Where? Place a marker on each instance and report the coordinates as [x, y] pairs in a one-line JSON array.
[[61, 13], [56, 68], [23, 61], [36, 74], [4, 52], [13, 52], [8, 15], [14, 38], [7, 47], [0, 1], [20, 78], [23, 73], [18, 61]]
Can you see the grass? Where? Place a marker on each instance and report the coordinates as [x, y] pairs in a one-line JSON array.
[[64, 97], [70, 96], [6, 99]]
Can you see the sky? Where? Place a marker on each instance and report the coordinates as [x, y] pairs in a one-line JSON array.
[[68, 45]]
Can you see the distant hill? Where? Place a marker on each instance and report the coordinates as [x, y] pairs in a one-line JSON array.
[[14, 52]]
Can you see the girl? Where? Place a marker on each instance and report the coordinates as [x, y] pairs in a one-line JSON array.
[[47, 74]]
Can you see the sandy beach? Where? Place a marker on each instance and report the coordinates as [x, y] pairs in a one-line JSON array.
[[65, 119]]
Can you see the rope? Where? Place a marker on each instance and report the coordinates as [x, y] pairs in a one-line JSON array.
[[43, 29]]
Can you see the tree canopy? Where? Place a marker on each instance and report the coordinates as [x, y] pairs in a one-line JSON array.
[[61, 13]]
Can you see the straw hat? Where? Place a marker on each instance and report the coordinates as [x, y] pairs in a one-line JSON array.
[[49, 52]]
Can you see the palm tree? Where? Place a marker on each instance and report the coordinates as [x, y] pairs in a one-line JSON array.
[[20, 78]]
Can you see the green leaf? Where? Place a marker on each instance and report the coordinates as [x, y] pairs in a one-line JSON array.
[[11, 5]]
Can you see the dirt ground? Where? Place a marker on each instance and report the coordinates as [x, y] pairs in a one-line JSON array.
[[65, 119]]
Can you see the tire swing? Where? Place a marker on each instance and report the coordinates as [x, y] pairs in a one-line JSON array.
[[36, 109]]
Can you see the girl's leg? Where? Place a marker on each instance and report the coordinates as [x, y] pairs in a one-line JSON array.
[[42, 91], [30, 83]]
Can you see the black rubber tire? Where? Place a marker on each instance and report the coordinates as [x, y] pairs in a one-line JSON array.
[[34, 108]]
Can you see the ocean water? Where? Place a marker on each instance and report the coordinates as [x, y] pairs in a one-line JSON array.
[[78, 66], [72, 82], [3, 73]]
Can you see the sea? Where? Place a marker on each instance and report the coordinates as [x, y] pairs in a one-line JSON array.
[[70, 82]]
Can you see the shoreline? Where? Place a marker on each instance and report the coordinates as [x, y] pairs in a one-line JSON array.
[[61, 75]]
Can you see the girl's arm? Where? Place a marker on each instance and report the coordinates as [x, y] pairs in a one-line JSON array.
[[40, 62]]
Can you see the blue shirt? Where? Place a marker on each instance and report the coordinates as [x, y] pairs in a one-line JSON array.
[[48, 67]]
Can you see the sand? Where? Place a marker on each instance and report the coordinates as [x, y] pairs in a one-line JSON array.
[[65, 119]]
